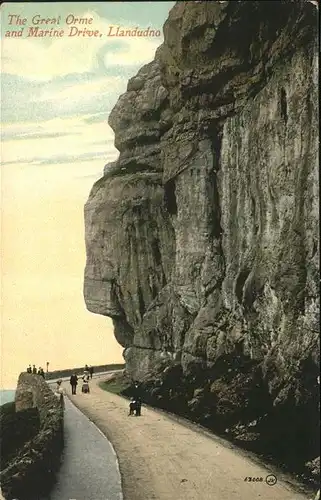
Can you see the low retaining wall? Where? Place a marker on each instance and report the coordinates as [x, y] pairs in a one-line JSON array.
[[80, 370], [32, 471]]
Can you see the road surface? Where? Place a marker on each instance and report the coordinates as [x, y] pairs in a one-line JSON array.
[[89, 469], [164, 458]]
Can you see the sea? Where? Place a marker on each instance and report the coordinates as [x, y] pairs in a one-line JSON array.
[[6, 396]]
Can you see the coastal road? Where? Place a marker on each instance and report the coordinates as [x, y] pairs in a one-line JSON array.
[[89, 469], [52, 382], [162, 457]]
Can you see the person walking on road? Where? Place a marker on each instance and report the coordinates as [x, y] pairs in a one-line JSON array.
[[73, 383], [85, 384], [136, 394], [91, 371], [60, 393]]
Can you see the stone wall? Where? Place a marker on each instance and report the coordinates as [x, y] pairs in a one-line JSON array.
[[32, 470], [80, 370]]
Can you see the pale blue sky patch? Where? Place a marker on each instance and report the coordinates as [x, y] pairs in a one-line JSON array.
[[60, 91]]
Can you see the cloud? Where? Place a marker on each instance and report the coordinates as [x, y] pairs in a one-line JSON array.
[[82, 90], [44, 78], [13, 137], [104, 142], [35, 183], [87, 94], [37, 62], [76, 79], [97, 118], [65, 158], [135, 52], [82, 142], [94, 176], [83, 96]]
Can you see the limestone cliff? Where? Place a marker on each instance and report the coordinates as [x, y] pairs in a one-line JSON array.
[[202, 238]]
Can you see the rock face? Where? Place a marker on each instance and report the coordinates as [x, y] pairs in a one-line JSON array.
[[202, 238]]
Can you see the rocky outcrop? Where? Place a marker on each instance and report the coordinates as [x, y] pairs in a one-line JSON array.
[[31, 471], [202, 238]]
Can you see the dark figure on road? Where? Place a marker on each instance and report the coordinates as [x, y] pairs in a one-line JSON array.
[[73, 383], [42, 373], [86, 369], [135, 406], [29, 369], [34, 369], [138, 407], [137, 399], [60, 393], [91, 371], [132, 405], [136, 391]]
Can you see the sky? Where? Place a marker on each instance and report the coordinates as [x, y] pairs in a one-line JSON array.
[[56, 95]]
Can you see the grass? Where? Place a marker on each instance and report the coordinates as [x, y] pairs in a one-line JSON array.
[[117, 384]]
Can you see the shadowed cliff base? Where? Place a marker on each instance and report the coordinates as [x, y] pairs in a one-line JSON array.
[[202, 238], [164, 456], [263, 436]]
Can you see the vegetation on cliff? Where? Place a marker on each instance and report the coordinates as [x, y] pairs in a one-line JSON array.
[[16, 428], [37, 418]]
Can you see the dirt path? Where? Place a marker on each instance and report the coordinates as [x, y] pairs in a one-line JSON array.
[[162, 459]]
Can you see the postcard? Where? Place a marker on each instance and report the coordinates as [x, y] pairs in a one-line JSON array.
[[160, 250]]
